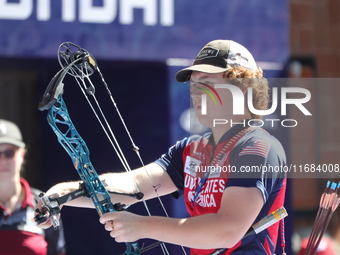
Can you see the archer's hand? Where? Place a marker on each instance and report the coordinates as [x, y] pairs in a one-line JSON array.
[[123, 226]]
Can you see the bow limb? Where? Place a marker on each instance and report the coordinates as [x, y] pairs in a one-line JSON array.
[[59, 119]]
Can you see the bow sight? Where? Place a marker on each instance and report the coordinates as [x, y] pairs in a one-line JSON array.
[[51, 206]]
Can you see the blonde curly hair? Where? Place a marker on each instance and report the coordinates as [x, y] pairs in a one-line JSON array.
[[242, 76]]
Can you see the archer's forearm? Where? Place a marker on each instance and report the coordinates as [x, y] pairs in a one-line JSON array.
[[144, 180], [151, 180], [201, 232], [238, 211]]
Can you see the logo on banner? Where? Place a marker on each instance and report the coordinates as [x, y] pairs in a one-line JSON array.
[[154, 12]]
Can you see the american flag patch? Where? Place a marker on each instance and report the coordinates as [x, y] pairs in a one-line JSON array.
[[259, 148]]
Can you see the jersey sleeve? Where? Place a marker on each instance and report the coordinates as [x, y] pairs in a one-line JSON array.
[[172, 163], [258, 161]]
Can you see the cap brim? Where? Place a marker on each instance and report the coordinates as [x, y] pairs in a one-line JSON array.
[[184, 74], [12, 141]]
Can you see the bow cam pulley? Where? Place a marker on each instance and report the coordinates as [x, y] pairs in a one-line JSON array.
[[78, 60]]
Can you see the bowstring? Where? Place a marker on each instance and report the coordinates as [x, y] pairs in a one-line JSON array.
[[136, 149], [109, 133], [107, 129]]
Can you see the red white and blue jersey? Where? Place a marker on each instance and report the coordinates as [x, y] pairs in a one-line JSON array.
[[244, 157], [19, 233]]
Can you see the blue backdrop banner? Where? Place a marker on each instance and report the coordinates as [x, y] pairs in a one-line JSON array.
[[142, 29]]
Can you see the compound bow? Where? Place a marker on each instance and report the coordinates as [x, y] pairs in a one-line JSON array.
[[80, 64]]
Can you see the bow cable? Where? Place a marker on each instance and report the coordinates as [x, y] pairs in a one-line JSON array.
[[108, 130]]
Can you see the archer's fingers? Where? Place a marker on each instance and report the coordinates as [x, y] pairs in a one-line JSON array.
[[109, 226], [107, 217]]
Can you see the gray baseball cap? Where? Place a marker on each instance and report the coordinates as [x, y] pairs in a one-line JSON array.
[[218, 56], [10, 133]]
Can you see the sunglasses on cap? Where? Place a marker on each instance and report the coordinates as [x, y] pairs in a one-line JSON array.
[[8, 153]]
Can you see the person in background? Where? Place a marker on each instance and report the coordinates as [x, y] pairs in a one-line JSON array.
[[18, 231]]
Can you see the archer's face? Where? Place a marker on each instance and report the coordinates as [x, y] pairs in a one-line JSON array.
[[218, 100]]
